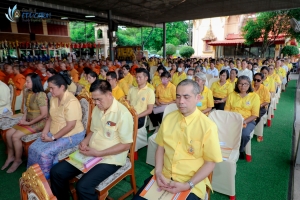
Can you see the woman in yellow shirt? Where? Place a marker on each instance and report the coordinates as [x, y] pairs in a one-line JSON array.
[[127, 76], [244, 101], [173, 69], [91, 77], [233, 77], [165, 94], [156, 81], [206, 102], [63, 129], [267, 81], [103, 71], [83, 80], [221, 89], [122, 83], [180, 75]]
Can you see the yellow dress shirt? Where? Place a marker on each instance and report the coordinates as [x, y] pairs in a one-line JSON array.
[[246, 106], [179, 136], [270, 84], [110, 128], [128, 78], [123, 85], [141, 98], [117, 92], [221, 91], [206, 98], [263, 93], [68, 110], [176, 79], [166, 94]]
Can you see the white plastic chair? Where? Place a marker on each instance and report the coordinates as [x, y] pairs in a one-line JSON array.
[[152, 146], [248, 148], [230, 125], [211, 81], [208, 77], [141, 139], [259, 128]]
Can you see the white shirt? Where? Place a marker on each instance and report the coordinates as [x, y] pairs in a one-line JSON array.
[[246, 72], [285, 68], [214, 72]]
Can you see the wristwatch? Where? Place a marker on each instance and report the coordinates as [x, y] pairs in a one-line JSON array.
[[53, 138], [191, 184]]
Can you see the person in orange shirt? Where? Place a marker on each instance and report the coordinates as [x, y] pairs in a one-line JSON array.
[[74, 73], [19, 80], [31, 66], [96, 70], [9, 73], [25, 70], [2, 76], [133, 67], [80, 69], [56, 66], [117, 64], [111, 67], [41, 71]]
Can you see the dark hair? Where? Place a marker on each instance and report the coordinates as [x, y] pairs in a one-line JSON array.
[[224, 71], [147, 65], [37, 85], [113, 75], [86, 70], [102, 85], [161, 67], [120, 74], [236, 71], [144, 71], [231, 61], [93, 74], [250, 89], [264, 68], [126, 66], [259, 74], [165, 74], [51, 71], [59, 80]]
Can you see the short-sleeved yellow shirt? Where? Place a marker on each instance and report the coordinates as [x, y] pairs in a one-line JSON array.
[[128, 78], [68, 110], [246, 106], [276, 78], [221, 91], [141, 98], [281, 72], [270, 84], [156, 81], [123, 85], [179, 135], [263, 93], [176, 79], [117, 92], [206, 98], [110, 128], [166, 94]]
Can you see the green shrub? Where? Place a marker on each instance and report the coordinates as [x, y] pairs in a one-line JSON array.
[[186, 51]]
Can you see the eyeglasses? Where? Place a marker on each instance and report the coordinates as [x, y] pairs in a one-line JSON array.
[[256, 80], [243, 84]]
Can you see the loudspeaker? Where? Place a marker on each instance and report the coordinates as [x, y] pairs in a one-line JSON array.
[[32, 36], [115, 25]]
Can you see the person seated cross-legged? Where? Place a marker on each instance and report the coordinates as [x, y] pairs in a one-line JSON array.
[[188, 146], [110, 138]]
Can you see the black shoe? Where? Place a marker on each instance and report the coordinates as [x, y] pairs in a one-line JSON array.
[[242, 156]]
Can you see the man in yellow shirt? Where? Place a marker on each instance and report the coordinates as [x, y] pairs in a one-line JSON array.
[[117, 92], [188, 146], [127, 76], [110, 138], [142, 97]]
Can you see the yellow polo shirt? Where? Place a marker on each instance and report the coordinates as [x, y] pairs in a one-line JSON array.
[[221, 91], [134, 83], [176, 79], [270, 84], [141, 98], [206, 98], [276, 78], [166, 94], [123, 85], [177, 135], [111, 128], [68, 110], [246, 106], [263, 93], [156, 81], [232, 83], [117, 92], [281, 72], [128, 78]]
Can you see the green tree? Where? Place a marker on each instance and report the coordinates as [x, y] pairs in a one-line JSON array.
[[290, 51], [268, 26], [82, 32], [186, 51], [176, 34]]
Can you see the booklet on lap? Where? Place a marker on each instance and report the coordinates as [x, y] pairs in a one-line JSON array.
[[82, 162], [153, 192]]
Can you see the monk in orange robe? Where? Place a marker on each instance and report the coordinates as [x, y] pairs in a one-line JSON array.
[[9, 73], [41, 71], [2, 76], [133, 67], [74, 73], [19, 80], [25, 70]]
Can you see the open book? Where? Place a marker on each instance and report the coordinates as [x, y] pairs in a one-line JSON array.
[[153, 192], [82, 162]]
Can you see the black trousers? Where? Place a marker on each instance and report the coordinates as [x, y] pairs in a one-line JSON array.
[[62, 172], [141, 122], [219, 106], [191, 196], [262, 111], [156, 118]]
